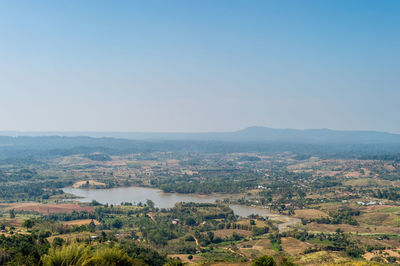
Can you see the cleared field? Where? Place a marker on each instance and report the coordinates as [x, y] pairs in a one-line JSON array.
[[258, 223], [380, 219], [353, 229], [328, 173], [310, 214], [293, 246], [353, 174], [380, 215], [228, 232], [382, 254], [81, 222], [323, 258], [363, 182], [72, 236], [390, 209], [377, 240], [48, 208], [184, 257], [256, 248], [89, 182], [229, 263], [380, 208]]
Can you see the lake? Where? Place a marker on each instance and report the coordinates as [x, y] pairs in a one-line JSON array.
[[161, 200]]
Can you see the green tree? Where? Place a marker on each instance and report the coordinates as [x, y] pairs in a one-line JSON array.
[[264, 261], [174, 262], [92, 226], [117, 223], [150, 203], [28, 223], [112, 256], [12, 213], [190, 221], [210, 236], [58, 242]]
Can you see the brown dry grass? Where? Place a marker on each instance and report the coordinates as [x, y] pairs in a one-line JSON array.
[[91, 183], [310, 214], [293, 246], [48, 208], [369, 255], [323, 258], [353, 229], [258, 248], [184, 257], [228, 232], [229, 263], [353, 174], [81, 222], [72, 236], [374, 208], [328, 173], [375, 240], [259, 223]]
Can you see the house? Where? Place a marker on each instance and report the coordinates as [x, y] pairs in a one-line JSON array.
[[175, 221]]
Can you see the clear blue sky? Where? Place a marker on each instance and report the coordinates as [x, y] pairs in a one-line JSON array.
[[199, 65]]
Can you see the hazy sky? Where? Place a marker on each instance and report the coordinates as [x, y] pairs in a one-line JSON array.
[[199, 65]]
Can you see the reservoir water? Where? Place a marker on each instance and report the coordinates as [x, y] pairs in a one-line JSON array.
[[161, 200], [167, 200]]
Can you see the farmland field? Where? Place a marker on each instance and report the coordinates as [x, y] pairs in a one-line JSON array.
[[215, 207]]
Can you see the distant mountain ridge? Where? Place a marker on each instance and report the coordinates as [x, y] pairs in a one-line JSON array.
[[250, 134]]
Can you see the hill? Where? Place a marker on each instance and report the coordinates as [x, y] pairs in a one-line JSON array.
[[250, 134]]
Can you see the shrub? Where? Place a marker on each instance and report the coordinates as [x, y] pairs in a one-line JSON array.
[[73, 254], [264, 261]]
